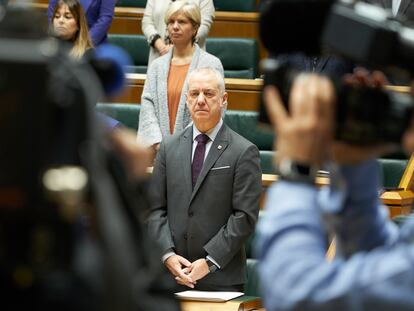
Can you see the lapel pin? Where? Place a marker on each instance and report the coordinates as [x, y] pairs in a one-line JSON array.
[[219, 147]]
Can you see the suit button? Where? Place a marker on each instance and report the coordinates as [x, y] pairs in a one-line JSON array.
[[185, 236], [191, 214]]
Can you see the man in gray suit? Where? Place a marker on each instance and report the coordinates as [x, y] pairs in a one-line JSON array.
[[205, 193]]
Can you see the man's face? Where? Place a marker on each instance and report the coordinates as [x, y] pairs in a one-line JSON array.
[[205, 101]]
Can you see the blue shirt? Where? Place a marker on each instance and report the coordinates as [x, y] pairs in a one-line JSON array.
[[374, 266]]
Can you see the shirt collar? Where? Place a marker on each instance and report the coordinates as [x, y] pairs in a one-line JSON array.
[[212, 133]]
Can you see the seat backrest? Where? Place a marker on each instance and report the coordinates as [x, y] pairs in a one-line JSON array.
[[266, 161], [245, 124], [132, 3], [235, 5], [239, 56], [392, 171], [136, 46], [242, 122], [127, 114]]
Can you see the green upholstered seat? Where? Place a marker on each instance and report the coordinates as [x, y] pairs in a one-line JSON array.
[[235, 5], [242, 122], [266, 161], [245, 123], [127, 114], [252, 286], [239, 56], [132, 3], [136, 46], [392, 171]]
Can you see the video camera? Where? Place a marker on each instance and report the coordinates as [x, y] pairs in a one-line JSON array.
[[70, 238], [360, 32]]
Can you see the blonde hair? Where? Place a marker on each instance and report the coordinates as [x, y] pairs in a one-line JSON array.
[[189, 9], [81, 40]]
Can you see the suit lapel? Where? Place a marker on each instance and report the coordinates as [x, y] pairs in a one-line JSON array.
[[186, 144], [219, 145]]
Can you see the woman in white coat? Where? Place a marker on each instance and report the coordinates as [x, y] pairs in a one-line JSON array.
[[155, 30]]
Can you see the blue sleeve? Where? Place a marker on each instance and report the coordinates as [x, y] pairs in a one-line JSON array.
[[50, 9], [109, 123], [99, 29], [363, 223], [291, 247]]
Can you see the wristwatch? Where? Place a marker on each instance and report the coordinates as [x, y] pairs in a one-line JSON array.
[[291, 170], [153, 38], [211, 266]]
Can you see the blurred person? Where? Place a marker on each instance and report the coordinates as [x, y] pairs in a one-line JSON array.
[[374, 266], [163, 110], [69, 24], [204, 193], [99, 14], [153, 25]]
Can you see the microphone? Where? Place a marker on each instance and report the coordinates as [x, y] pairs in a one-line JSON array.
[[109, 62]]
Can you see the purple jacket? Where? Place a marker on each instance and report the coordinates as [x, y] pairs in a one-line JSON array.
[[99, 14]]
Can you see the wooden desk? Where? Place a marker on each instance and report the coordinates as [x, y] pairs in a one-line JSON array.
[[244, 303], [244, 94], [399, 202]]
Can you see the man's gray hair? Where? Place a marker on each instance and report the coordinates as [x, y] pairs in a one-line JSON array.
[[212, 71]]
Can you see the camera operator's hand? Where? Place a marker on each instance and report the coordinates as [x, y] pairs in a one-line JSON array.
[[362, 77], [306, 132]]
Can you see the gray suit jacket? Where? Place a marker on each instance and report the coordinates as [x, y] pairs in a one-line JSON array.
[[154, 123], [220, 213]]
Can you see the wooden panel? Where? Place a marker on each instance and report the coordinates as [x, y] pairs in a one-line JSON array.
[[244, 94], [127, 21], [245, 303]]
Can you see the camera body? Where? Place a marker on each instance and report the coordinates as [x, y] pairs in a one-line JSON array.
[[359, 32]]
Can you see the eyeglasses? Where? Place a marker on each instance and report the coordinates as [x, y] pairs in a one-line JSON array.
[[208, 94]]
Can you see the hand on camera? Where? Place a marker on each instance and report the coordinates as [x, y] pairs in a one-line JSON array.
[[305, 133]]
